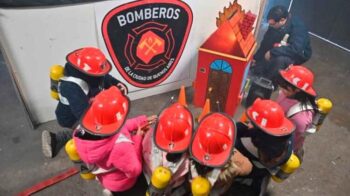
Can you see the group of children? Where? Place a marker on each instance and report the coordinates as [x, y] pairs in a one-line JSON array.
[[116, 149]]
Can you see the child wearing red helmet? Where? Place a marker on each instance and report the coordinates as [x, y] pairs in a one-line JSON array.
[[266, 142], [297, 98], [105, 142], [167, 146], [85, 75], [213, 153]]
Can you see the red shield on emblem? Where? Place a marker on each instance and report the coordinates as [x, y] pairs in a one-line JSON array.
[[146, 39]]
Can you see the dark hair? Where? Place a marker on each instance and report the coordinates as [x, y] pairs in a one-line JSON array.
[[271, 146], [173, 157], [277, 13], [301, 96], [202, 170], [82, 134], [94, 82]]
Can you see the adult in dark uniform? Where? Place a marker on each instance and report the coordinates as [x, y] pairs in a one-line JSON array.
[[286, 42]]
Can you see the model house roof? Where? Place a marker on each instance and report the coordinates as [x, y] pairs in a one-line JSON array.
[[234, 34]]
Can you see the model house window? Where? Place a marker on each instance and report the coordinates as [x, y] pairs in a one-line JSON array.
[[221, 65]]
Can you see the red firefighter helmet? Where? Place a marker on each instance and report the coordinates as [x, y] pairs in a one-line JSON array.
[[107, 113], [269, 117], [90, 60], [214, 139], [300, 77], [174, 129]]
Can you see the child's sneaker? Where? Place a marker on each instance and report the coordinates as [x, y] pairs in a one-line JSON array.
[[107, 192], [52, 143]]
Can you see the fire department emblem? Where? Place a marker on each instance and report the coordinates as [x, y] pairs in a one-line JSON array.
[[145, 39]]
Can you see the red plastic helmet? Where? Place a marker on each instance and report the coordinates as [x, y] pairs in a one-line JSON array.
[[174, 129], [214, 140], [90, 60], [107, 113], [300, 77], [269, 117]]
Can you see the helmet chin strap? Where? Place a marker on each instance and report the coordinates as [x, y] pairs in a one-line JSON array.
[[218, 105], [102, 84]]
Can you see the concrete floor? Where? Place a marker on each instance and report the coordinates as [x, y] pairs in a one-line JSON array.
[[325, 171]]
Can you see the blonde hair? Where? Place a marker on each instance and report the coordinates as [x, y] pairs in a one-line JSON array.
[[228, 172], [225, 179]]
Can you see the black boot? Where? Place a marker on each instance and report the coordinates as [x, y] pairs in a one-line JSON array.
[[52, 143]]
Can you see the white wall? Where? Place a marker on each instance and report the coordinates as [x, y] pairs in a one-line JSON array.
[[33, 39]]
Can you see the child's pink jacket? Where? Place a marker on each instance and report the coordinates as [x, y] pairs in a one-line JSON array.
[[302, 120], [124, 155]]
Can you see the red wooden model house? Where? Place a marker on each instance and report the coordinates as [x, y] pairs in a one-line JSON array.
[[223, 60]]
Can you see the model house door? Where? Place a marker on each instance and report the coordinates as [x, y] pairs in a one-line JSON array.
[[218, 86]]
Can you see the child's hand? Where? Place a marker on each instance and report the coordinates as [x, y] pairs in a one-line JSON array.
[[267, 55], [139, 131], [142, 129], [253, 63], [122, 88], [152, 119], [91, 100]]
